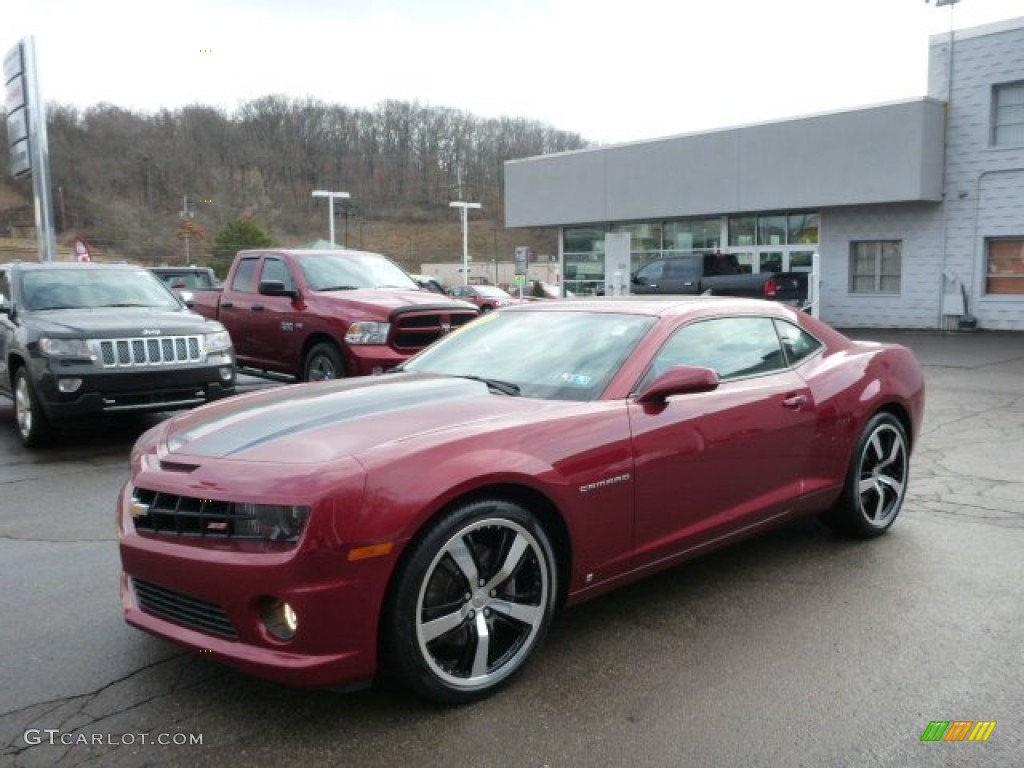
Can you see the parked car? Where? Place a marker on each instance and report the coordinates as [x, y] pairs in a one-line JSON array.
[[487, 297], [84, 339], [718, 274], [625, 436], [185, 280], [325, 314]]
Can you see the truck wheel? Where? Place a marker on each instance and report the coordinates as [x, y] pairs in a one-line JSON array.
[[323, 363], [33, 425]]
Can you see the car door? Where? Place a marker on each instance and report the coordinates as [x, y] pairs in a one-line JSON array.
[[675, 275], [236, 313], [716, 463], [279, 341]]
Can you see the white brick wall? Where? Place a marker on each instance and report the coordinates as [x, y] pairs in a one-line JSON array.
[[984, 197]]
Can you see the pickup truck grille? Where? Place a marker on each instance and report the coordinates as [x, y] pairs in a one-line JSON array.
[[412, 331], [136, 353]]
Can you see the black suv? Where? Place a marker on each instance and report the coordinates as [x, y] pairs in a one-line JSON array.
[[81, 339]]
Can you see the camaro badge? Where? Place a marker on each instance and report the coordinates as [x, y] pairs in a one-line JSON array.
[[599, 484]]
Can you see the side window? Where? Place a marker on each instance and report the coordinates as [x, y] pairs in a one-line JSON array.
[[275, 269], [682, 269], [651, 272], [245, 275], [797, 343], [731, 346], [5, 288]]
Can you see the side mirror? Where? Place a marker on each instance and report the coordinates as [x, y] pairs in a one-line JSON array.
[[276, 288], [679, 380], [638, 280]]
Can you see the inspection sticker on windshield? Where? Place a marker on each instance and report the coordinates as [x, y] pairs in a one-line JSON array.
[[576, 379]]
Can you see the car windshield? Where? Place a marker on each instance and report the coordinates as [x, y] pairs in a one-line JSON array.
[[94, 288], [569, 355], [347, 270]]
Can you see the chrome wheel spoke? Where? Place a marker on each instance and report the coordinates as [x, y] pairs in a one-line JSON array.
[[893, 484], [527, 614], [515, 554], [463, 558], [431, 630], [483, 646]]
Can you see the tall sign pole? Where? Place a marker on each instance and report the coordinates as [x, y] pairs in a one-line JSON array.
[[26, 137]]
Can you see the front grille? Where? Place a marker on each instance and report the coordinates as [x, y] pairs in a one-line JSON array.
[[170, 515], [134, 353], [413, 332], [182, 609]]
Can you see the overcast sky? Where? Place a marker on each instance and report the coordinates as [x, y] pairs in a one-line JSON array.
[[610, 71]]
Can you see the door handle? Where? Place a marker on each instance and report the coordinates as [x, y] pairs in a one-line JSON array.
[[794, 401], [256, 307], [227, 304]]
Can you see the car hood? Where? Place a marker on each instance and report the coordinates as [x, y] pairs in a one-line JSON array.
[[312, 423], [394, 298], [118, 322]]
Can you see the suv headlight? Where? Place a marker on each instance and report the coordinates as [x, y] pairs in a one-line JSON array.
[[368, 333], [218, 341], [274, 522], [74, 348]]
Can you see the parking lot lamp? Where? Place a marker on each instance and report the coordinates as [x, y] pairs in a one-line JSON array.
[[464, 207], [331, 197]]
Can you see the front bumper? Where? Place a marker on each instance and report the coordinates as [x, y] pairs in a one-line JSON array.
[[131, 390], [209, 597], [368, 359]]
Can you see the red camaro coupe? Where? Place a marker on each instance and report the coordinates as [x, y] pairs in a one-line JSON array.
[[428, 522]]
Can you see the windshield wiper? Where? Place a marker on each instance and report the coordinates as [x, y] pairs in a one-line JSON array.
[[505, 387], [338, 288], [127, 304]]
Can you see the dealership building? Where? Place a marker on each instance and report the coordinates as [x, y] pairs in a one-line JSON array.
[[912, 210]]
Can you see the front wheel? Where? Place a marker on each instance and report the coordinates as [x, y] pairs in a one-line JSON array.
[[34, 427], [471, 602], [876, 482], [323, 362]]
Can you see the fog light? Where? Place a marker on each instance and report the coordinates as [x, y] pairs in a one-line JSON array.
[[279, 618], [226, 374], [69, 385]]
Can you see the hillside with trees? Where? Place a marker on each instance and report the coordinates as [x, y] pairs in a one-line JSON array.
[[134, 184]]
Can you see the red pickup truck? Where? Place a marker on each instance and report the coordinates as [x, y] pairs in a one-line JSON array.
[[326, 314]]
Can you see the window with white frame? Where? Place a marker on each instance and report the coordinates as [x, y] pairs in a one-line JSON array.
[[875, 266], [1004, 267], [1008, 115]]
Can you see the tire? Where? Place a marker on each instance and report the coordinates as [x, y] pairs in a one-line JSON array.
[[876, 482], [485, 308], [323, 362], [34, 427], [483, 570]]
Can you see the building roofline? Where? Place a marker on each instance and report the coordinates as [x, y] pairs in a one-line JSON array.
[[992, 28]]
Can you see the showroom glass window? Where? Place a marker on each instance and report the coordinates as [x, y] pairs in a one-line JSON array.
[[583, 249], [1004, 268], [876, 266], [1008, 115]]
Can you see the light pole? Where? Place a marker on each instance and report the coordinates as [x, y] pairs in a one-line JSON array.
[[331, 197], [464, 207]]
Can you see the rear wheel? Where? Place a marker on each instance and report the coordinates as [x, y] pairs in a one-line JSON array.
[[323, 362], [471, 602], [33, 425], [876, 482]]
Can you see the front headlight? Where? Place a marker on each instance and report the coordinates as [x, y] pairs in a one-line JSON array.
[[65, 348], [368, 333], [218, 341], [274, 522]]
